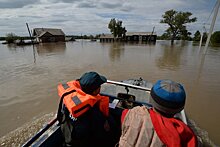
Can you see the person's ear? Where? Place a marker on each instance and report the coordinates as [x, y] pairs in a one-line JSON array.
[[97, 91]]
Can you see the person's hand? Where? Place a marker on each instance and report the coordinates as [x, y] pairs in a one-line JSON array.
[[106, 126]]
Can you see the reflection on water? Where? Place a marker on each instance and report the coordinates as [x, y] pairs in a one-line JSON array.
[[116, 50], [170, 57], [29, 89], [14, 48], [51, 48]]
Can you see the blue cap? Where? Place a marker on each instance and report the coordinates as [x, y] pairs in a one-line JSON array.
[[168, 96], [90, 81]]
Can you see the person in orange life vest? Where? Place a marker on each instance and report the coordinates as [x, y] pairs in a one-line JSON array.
[[157, 126], [93, 122]]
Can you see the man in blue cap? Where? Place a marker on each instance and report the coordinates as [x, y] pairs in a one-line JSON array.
[[91, 82], [157, 126], [86, 112]]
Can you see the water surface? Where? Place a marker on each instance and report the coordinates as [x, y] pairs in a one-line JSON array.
[[29, 77]]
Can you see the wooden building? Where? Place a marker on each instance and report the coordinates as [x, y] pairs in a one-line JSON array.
[[48, 35], [106, 38], [141, 37]]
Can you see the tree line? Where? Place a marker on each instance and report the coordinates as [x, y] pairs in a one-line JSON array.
[[176, 30], [12, 37]]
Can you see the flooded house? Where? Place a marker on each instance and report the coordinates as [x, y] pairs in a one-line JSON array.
[[142, 37], [48, 35], [106, 38]]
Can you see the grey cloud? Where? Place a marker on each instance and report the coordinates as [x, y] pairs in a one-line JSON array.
[[69, 14], [16, 3], [86, 5], [111, 5], [58, 20], [69, 1], [64, 1], [30, 16], [127, 8]]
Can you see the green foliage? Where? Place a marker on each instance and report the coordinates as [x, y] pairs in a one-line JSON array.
[[204, 37], [2, 38], [91, 37], [177, 24], [185, 35], [197, 36], [116, 28], [163, 37], [215, 38], [85, 37], [97, 36], [11, 37]]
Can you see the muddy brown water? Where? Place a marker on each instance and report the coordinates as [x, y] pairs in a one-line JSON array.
[[29, 77]]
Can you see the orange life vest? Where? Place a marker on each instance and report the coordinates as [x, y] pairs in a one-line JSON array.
[[79, 102]]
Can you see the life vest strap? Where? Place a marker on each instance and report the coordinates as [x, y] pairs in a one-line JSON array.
[[80, 109], [59, 113]]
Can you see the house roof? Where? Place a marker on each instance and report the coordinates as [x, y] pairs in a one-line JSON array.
[[42, 31], [106, 36], [103, 36], [45, 33], [139, 33]]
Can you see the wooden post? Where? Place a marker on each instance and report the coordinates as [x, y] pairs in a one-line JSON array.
[[29, 33], [31, 42]]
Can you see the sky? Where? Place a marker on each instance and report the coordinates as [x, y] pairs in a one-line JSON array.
[[91, 17]]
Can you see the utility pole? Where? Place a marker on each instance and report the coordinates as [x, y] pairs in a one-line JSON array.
[[149, 39], [31, 41], [212, 25], [200, 43], [29, 33]]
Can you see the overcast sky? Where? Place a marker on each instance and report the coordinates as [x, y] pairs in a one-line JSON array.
[[76, 17]]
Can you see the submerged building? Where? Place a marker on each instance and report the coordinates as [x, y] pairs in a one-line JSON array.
[[106, 38], [48, 35], [143, 37]]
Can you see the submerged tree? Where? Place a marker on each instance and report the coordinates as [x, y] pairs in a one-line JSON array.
[[205, 36], [177, 24], [116, 28], [215, 38], [185, 35], [11, 37], [197, 36]]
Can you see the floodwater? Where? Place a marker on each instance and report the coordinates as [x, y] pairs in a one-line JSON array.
[[29, 77]]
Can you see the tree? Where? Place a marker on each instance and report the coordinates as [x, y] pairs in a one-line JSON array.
[[177, 24], [205, 36], [91, 37], [186, 35], [97, 36], [85, 37], [11, 37], [116, 28], [197, 36], [215, 38], [164, 36]]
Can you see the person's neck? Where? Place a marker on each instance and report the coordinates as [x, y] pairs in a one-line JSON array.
[[162, 113]]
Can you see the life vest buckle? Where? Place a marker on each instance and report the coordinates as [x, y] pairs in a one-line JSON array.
[[72, 118]]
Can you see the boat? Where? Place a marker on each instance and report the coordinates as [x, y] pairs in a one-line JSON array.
[[125, 94], [22, 42], [93, 40]]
